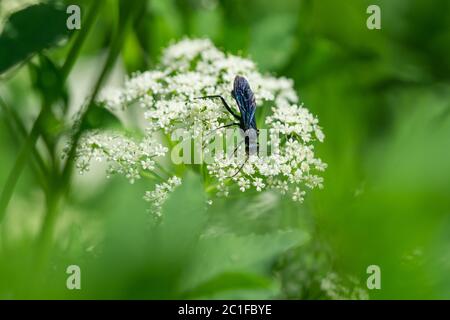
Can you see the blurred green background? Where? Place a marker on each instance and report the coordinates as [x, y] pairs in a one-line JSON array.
[[382, 98]]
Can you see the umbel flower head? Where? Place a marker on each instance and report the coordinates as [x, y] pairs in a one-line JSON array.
[[167, 95]]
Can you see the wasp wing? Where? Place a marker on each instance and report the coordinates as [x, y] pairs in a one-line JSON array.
[[245, 100]]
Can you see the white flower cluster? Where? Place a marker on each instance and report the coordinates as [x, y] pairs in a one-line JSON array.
[[158, 196], [286, 170], [195, 68], [124, 155], [295, 120]]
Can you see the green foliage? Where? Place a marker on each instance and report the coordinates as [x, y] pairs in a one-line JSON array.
[[98, 117], [47, 79], [172, 260], [30, 31], [241, 260]]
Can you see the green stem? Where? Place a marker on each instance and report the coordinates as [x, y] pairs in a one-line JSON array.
[[111, 59], [18, 131], [153, 176], [211, 188], [19, 164], [45, 236], [164, 170], [64, 181], [75, 50], [54, 197], [30, 142]]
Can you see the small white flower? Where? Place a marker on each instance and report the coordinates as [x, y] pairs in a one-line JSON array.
[[244, 184], [159, 195], [259, 184], [298, 195], [112, 98]]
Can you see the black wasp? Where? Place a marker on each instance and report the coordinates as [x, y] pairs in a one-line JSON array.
[[245, 100]]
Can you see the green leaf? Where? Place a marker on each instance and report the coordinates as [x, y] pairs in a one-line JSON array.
[[48, 80], [229, 282], [184, 214], [30, 31], [98, 117], [238, 254]]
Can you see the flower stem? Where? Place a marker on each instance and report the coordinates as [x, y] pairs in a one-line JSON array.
[[18, 132], [211, 188], [63, 184], [75, 50], [19, 164], [30, 141], [114, 52]]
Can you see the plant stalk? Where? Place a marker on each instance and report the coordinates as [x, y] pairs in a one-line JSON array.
[[30, 141]]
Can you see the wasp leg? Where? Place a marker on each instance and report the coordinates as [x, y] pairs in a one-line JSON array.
[[240, 168], [225, 104], [236, 149], [228, 125], [225, 126], [221, 127]]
